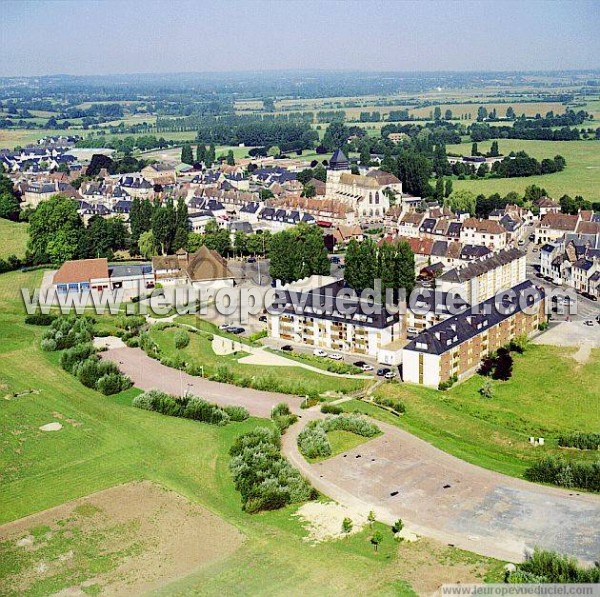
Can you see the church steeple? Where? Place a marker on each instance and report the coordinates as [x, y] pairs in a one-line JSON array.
[[339, 161]]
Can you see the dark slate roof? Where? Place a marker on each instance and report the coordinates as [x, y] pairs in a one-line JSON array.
[[439, 248], [338, 161], [427, 225], [241, 226], [426, 300], [584, 264], [481, 266], [123, 206], [454, 229], [129, 270], [457, 329], [359, 311], [308, 218], [250, 208]]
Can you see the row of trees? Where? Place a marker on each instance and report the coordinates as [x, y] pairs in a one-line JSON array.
[[392, 263], [57, 233]]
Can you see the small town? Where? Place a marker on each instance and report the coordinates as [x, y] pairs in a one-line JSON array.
[[277, 330]]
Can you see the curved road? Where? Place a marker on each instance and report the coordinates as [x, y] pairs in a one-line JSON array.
[[401, 476]]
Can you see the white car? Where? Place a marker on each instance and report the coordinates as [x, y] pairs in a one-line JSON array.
[[367, 367], [224, 326], [319, 352], [336, 356], [390, 375]]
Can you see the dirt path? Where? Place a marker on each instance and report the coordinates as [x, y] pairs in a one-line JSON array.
[[399, 475]]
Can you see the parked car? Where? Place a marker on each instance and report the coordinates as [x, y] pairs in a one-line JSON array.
[[589, 322], [336, 356], [360, 364], [263, 318], [367, 367], [598, 318], [319, 352], [251, 259], [287, 348], [390, 375], [224, 326], [589, 296], [236, 330], [383, 371], [521, 242], [532, 237]]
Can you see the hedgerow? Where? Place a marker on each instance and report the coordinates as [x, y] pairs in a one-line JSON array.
[[313, 441], [585, 475], [189, 407], [551, 567], [582, 441]]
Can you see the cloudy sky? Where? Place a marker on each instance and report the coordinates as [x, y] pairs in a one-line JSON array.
[[105, 36]]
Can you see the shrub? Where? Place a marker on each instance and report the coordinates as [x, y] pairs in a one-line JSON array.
[[112, 383], [550, 567], [70, 357], [585, 475], [48, 344], [313, 441], [182, 339], [332, 409], [280, 409], [68, 331], [347, 525], [397, 526], [258, 336], [40, 319], [265, 480], [148, 399], [581, 441], [201, 410], [223, 374], [133, 342], [237, 413], [392, 403], [130, 322], [87, 372], [446, 385]]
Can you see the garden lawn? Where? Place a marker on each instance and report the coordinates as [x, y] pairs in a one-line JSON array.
[[13, 238], [290, 380], [105, 441], [548, 394], [580, 177]]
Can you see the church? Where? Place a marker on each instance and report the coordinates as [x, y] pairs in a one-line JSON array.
[[368, 194]]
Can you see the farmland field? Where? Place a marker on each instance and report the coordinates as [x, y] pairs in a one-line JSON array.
[[580, 177], [105, 442]]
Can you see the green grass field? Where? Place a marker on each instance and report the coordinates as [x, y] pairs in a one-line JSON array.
[[104, 442], [580, 177], [13, 238], [548, 394]]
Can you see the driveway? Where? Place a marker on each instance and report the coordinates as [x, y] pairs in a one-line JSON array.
[[148, 374], [401, 476]]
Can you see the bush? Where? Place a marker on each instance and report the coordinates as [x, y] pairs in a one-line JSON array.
[[280, 409], [550, 567], [40, 319], [392, 403], [313, 441], [77, 354], [182, 339], [148, 399], [223, 374], [332, 409], [446, 385], [68, 331], [237, 413], [584, 475], [581, 441], [87, 372], [133, 342], [189, 407], [265, 480], [397, 526], [48, 344], [113, 383]]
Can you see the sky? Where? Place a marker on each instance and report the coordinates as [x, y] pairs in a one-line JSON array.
[[157, 36]]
